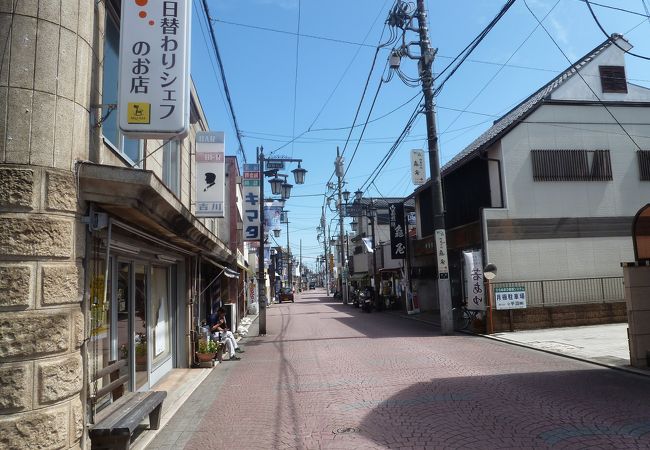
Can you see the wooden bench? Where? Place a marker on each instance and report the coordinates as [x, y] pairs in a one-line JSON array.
[[114, 425]]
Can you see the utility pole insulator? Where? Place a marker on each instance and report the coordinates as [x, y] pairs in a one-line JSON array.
[[394, 59]]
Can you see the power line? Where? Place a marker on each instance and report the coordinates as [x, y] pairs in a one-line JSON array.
[[223, 78], [577, 71], [608, 36], [295, 83], [500, 69]]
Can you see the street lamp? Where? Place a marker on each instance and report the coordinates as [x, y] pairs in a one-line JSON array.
[[285, 191], [358, 194], [346, 195], [353, 225]]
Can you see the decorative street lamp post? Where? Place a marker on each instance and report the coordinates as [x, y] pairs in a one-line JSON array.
[[278, 186]]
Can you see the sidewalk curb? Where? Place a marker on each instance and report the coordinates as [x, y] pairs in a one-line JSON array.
[[630, 370]]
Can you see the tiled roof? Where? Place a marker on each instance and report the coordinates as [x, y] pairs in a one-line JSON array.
[[519, 112]]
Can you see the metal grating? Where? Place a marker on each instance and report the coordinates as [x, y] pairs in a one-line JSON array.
[[571, 165]]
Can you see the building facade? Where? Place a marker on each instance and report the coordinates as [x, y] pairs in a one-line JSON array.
[[101, 255]]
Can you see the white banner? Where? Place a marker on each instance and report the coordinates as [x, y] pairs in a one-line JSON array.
[[251, 192], [441, 249], [418, 172], [210, 173], [154, 83], [474, 287]]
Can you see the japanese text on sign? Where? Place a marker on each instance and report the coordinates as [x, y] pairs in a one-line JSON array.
[[510, 297], [473, 274], [397, 232], [441, 254], [251, 193], [210, 174], [418, 172], [154, 83]]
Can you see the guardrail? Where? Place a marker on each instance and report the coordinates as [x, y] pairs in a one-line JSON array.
[[542, 293]]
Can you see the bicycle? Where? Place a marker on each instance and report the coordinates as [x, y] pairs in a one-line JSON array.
[[463, 317]]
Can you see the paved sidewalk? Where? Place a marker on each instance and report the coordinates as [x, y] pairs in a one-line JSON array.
[[605, 345]]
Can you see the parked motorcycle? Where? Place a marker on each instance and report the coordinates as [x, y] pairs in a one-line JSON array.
[[365, 300]]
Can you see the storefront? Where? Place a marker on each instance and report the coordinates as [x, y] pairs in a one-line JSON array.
[[137, 284]]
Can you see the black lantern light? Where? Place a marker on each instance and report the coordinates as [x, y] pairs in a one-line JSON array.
[[299, 174]]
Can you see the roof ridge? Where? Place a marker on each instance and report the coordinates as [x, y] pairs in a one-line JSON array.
[[531, 102]]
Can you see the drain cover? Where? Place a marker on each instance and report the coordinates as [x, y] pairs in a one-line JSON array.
[[344, 430]]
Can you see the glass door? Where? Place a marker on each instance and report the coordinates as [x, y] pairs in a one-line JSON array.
[[140, 330], [122, 303]]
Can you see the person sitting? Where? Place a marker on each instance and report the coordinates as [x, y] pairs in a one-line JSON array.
[[223, 334]]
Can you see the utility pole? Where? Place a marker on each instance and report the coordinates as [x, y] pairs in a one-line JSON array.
[[425, 63], [300, 268], [289, 275], [339, 175], [261, 280]]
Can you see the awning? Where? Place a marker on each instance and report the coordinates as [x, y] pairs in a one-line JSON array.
[[141, 199], [359, 276], [368, 242]]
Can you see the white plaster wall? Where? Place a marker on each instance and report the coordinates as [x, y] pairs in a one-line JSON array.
[[622, 196], [576, 88]]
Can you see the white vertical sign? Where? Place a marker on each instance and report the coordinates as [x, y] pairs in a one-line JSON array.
[[210, 173], [154, 82], [474, 287], [441, 256], [418, 171], [251, 192]]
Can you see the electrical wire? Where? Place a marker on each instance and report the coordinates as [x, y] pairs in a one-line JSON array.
[[609, 37], [206, 10], [295, 83], [577, 71], [485, 86]]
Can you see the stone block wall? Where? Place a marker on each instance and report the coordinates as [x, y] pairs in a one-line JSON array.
[[48, 82], [41, 320], [561, 316]]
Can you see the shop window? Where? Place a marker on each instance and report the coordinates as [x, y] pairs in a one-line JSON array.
[[160, 310], [172, 166], [571, 165], [130, 149]]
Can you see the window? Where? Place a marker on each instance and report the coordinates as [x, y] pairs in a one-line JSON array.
[[171, 166], [571, 165], [612, 79], [131, 149], [644, 164]]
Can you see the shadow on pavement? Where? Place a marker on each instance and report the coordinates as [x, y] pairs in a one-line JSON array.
[[591, 408]]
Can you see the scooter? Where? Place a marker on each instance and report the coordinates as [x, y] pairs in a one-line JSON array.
[[365, 299]]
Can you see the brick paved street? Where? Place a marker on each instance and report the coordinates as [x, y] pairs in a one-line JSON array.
[[329, 376]]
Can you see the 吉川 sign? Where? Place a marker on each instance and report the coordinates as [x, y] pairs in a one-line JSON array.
[[154, 81], [210, 174], [513, 297]]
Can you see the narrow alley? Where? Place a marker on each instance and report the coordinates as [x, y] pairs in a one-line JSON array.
[[330, 376]]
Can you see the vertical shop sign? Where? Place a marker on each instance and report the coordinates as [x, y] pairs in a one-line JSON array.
[[441, 256], [397, 232], [474, 288], [210, 174], [154, 81], [418, 172], [251, 192]]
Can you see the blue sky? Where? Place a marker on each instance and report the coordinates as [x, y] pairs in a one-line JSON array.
[[264, 70]]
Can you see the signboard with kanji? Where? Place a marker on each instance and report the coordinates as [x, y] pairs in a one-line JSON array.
[[512, 297], [418, 171], [210, 174], [474, 287], [397, 231], [154, 81], [441, 255], [251, 200]]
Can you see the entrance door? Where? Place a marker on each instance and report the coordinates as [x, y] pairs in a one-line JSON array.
[[140, 330]]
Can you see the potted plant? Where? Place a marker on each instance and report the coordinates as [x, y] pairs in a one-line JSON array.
[[208, 349]]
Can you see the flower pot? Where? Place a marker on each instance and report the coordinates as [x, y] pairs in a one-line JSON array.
[[204, 357]]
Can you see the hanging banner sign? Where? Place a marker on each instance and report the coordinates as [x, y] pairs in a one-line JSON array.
[[154, 76], [474, 289], [418, 171], [397, 232], [251, 192], [441, 249], [210, 174], [272, 215]]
